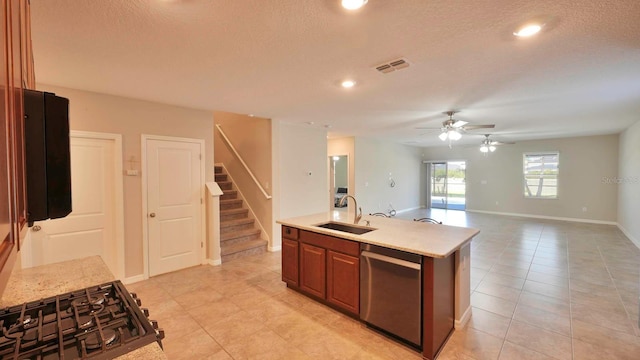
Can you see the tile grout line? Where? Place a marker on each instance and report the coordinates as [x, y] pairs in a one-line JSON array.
[[519, 295], [573, 355], [615, 287]]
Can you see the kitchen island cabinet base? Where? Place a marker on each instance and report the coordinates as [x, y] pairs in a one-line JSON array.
[[438, 276], [321, 266]]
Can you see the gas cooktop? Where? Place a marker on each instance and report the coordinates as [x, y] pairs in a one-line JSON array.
[[99, 322]]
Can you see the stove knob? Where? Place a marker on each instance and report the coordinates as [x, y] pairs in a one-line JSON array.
[[134, 295], [138, 302], [146, 312], [154, 323]]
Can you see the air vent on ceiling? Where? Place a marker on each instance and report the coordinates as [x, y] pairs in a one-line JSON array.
[[393, 66]]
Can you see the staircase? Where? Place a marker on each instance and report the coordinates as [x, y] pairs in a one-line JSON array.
[[238, 234]]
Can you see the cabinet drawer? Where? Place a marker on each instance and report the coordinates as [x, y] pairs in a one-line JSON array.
[[290, 233], [331, 243]]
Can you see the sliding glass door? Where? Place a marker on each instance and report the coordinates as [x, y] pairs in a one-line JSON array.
[[439, 185], [447, 185]]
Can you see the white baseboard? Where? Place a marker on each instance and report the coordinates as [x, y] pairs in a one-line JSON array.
[[591, 221], [635, 241], [214, 262], [464, 319], [408, 209], [274, 248], [133, 279]]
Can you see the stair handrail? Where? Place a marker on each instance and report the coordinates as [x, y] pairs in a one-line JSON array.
[[246, 167]]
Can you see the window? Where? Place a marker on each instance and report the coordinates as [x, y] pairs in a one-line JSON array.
[[541, 175]]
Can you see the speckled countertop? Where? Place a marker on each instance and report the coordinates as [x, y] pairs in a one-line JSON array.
[[54, 279], [426, 239]]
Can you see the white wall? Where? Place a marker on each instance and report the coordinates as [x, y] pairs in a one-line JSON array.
[[96, 112], [584, 162], [629, 187], [301, 167], [374, 161]]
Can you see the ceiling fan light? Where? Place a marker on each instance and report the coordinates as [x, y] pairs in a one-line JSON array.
[[443, 136], [484, 148], [454, 135], [492, 148], [528, 30]]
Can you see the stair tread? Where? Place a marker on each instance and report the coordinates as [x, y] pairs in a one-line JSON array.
[[222, 201], [236, 222], [233, 211], [237, 234], [245, 245]]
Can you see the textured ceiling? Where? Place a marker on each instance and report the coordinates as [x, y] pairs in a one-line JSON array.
[[284, 59]]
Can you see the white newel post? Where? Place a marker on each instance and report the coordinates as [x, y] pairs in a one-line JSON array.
[[213, 223]]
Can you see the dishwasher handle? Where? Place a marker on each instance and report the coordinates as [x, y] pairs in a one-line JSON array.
[[389, 259]]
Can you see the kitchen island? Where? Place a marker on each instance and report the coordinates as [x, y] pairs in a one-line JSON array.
[[44, 281], [325, 265]]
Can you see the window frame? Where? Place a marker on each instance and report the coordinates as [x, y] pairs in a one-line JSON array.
[[524, 174]]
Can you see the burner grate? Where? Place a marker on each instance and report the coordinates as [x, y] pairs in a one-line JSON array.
[[99, 322]]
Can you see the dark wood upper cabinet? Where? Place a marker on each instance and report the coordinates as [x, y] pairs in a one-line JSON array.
[[16, 73]]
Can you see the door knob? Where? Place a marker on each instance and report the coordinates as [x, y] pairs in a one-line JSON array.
[[36, 228], [152, 215]]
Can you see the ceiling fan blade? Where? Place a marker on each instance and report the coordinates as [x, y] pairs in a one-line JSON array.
[[473, 127], [427, 128], [459, 124], [501, 143]]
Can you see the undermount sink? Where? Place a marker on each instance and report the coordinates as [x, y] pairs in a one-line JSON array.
[[352, 229]]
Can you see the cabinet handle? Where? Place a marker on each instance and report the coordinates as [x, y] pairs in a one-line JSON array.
[[152, 215], [36, 228]]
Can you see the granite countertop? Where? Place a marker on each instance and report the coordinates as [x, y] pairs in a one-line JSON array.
[[421, 238], [49, 280]]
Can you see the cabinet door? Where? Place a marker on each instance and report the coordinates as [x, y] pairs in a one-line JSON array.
[[290, 262], [6, 194], [343, 281], [313, 270]]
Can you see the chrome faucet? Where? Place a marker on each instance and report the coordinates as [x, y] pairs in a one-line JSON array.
[[358, 211]]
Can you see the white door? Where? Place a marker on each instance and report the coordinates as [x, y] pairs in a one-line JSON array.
[[174, 209], [93, 227]]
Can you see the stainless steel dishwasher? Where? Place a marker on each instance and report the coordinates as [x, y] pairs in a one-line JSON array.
[[391, 291]]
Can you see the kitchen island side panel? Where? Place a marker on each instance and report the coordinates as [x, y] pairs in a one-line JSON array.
[[438, 303]]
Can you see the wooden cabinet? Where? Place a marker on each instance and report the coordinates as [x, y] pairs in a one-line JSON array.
[[323, 266], [290, 262], [343, 281], [290, 251], [16, 72], [313, 278]]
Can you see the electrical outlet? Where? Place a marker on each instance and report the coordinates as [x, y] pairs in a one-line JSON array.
[[497, 203], [584, 209]]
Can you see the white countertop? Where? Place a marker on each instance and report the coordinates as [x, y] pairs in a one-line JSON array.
[[426, 239]]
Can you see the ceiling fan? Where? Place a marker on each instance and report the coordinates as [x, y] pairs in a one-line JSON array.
[[489, 145], [452, 129]]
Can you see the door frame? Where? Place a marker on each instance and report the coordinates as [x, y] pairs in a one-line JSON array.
[[145, 226], [119, 197]]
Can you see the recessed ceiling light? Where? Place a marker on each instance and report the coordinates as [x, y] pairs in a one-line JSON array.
[[251, 115], [348, 84], [353, 4], [528, 30]]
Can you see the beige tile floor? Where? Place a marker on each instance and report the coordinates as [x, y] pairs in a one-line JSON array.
[[540, 290]]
